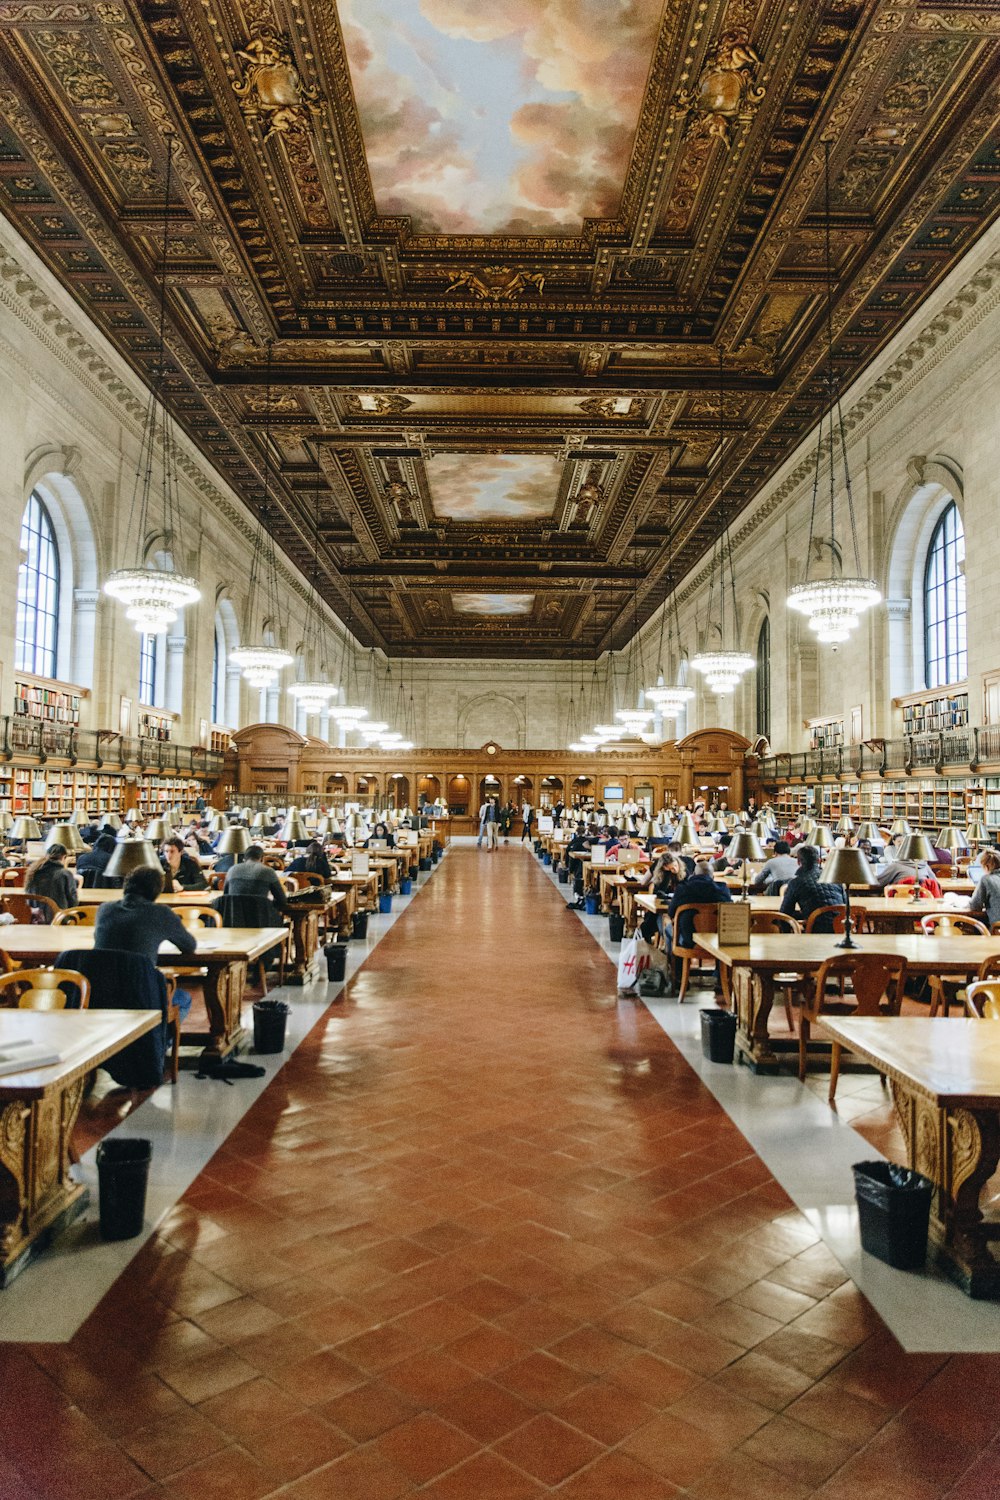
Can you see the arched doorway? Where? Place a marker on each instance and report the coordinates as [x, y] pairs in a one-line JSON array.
[[550, 791], [336, 789], [428, 789], [583, 791], [645, 794], [459, 792], [490, 786], [366, 787], [397, 791]]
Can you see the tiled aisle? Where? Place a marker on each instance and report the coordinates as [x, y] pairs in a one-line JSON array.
[[484, 1237]]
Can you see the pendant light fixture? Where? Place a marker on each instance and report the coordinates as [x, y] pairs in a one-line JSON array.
[[669, 699], [262, 664], [313, 694], [723, 669], [832, 603], [153, 597]]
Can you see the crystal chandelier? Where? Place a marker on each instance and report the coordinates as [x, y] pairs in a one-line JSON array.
[[723, 669], [262, 663], [832, 605], [153, 597], [669, 699], [313, 695]]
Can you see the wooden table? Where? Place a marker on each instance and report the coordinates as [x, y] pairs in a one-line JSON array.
[[753, 969], [945, 1082], [355, 887], [225, 954], [38, 1110]]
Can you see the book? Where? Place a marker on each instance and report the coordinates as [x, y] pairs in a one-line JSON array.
[[20, 1056], [734, 924]]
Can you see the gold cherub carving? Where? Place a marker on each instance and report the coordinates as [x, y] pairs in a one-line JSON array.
[[272, 89]]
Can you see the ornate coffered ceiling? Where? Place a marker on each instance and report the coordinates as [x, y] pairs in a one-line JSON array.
[[496, 251]]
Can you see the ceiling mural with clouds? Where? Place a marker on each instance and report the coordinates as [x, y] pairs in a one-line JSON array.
[[511, 118], [492, 486]]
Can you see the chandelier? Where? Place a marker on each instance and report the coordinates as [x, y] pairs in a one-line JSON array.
[[313, 695], [832, 605], [262, 663], [153, 597], [723, 669], [669, 698]]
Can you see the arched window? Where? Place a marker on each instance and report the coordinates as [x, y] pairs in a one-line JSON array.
[[945, 648], [147, 670], [764, 679], [37, 626]]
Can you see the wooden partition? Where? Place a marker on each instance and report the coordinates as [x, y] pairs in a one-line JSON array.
[[270, 760]]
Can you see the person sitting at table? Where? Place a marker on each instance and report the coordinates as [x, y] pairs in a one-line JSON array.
[[775, 871], [384, 833], [181, 872], [661, 880], [137, 924], [908, 872], [312, 861], [805, 893], [48, 876], [93, 864], [253, 878], [986, 896], [697, 889]]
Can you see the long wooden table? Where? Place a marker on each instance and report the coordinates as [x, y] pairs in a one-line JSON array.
[[38, 1110], [224, 953], [945, 1082], [753, 967], [879, 913]]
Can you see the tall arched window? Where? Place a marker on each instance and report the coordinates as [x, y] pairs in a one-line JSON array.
[[37, 626], [147, 670], [764, 679], [945, 648]]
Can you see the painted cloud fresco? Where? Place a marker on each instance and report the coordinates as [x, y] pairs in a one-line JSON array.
[[500, 116], [493, 604], [492, 486]]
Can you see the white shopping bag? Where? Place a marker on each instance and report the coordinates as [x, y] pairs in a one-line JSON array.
[[630, 965]]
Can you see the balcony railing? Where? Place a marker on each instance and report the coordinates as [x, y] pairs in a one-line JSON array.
[[913, 753], [22, 735]]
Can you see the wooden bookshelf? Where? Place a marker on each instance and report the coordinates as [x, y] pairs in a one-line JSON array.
[[157, 793], [155, 724], [47, 792], [219, 738], [928, 713], [825, 734], [45, 698]]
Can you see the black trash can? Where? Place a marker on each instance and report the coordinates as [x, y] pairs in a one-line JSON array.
[[122, 1174], [414, 871], [718, 1035], [562, 874], [359, 924], [336, 961], [269, 1020], [425, 863], [894, 1206], [616, 926]]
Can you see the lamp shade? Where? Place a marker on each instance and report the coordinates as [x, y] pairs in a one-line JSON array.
[[952, 838], [845, 825], [66, 836], [869, 832], [916, 847], [294, 827], [900, 829], [218, 822], [258, 821], [158, 828], [744, 846], [25, 828], [324, 826], [111, 820], [132, 816], [806, 825], [6, 821], [847, 867], [820, 837], [760, 829], [718, 824], [233, 841], [687, 833], [976, 833], [129, 855], [78, 817]]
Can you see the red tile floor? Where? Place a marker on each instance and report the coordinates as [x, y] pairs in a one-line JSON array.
[[486, 1237]]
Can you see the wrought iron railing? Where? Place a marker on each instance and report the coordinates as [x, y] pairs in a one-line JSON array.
[[913, 753], [23, 735]]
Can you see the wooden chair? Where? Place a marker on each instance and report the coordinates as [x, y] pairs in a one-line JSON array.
[[947, 922], [779, 921], [197, 916], [275, 861], [41, 989], [904, 892], [22, 908], [76, 916], [982, 999], [877, 979], [705, 919], [833, 918], [216, 879], [942, 871], [289, 884], [15, 875]]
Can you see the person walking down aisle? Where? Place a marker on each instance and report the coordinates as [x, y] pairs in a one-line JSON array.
[[528, 814], [491, 822]]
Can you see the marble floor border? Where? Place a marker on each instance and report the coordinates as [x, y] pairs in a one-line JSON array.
[[187, 1124], [810, 1150]]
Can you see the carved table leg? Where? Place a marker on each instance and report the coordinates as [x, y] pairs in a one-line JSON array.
[[37, 1194], [305, 941], [224, 985], [753, 995]]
